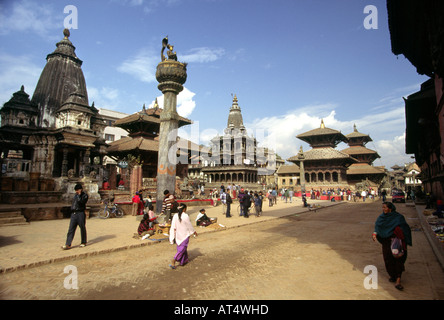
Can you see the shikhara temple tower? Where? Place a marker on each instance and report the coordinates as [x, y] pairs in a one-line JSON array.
[[55, 137], [61, 77], [234, 157]]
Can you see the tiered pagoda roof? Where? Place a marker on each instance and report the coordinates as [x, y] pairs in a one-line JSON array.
[[365, 156], [322, 137]]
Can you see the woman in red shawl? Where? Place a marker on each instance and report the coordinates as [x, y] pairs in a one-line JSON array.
[[391, 224]]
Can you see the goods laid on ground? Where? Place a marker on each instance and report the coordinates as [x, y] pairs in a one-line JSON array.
[[437, 226], [162, 228], [216, 226]]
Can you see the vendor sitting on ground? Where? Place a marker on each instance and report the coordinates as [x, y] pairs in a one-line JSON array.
[[146, 224], [202, 220]]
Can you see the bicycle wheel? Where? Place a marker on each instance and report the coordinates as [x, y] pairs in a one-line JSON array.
[[118, 212], [238, 210], [104, 213]]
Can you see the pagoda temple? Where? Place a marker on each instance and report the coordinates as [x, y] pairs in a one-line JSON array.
[[363, 170], [142, 140], [324, 165]]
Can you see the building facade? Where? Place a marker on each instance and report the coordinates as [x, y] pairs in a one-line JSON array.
[[416, 31]]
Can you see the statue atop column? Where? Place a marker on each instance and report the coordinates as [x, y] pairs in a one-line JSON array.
[[171, 75], [170, 53]]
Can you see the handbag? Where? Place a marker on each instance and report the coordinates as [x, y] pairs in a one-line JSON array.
[[397, 248]]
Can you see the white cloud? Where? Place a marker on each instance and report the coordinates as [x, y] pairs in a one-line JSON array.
[[185, 103], [393, 151], [142, 66], [203, 55], [149, 6], [16, 71], [279, 132], [23, 16], [105, 98]]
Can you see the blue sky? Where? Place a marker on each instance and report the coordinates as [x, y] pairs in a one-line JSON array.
[[290, 63]]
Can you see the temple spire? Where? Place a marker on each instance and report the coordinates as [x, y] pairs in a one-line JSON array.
[[235, 120]]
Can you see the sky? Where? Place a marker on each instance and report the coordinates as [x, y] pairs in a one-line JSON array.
[[291, 63]]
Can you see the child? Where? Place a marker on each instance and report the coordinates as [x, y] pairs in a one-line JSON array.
[[151, 215]]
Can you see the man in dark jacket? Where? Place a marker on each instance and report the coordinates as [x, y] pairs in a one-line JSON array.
[[245, 203], [78, 217]]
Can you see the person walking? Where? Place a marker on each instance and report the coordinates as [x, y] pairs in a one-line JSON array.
[[363, 195], [180, 232], [78, 217], [167, 204], [384, 195], [245, 203], [257, 204], [228, 201], [388, 226], [241, 197], [291, 194], [223, 201]]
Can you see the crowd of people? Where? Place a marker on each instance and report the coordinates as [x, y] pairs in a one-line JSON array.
[[347, 194], [391, 229]]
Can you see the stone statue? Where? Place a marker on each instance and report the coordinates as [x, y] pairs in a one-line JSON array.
[[171, 54]]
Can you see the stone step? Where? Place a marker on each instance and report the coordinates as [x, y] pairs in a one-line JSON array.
[[9, 212], [10, 217]]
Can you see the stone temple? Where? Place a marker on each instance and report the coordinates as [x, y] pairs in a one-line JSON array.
[[235, 157], [55, 139]]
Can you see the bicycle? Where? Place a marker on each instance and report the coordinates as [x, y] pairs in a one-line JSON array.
[[112, 210], [239, 210]]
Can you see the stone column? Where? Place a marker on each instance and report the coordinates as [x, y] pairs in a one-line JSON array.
[[65, 163], [171, 75], [301, 158]]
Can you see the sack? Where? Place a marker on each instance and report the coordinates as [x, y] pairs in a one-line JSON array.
[[174, 207], [396, 247]]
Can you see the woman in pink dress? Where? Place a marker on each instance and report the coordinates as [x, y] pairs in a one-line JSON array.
[[180, 232]]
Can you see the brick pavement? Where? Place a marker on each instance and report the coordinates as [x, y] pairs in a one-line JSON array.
[[39, 242]]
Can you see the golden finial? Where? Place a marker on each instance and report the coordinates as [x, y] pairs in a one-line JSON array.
[[66, 33], [322, 124]]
